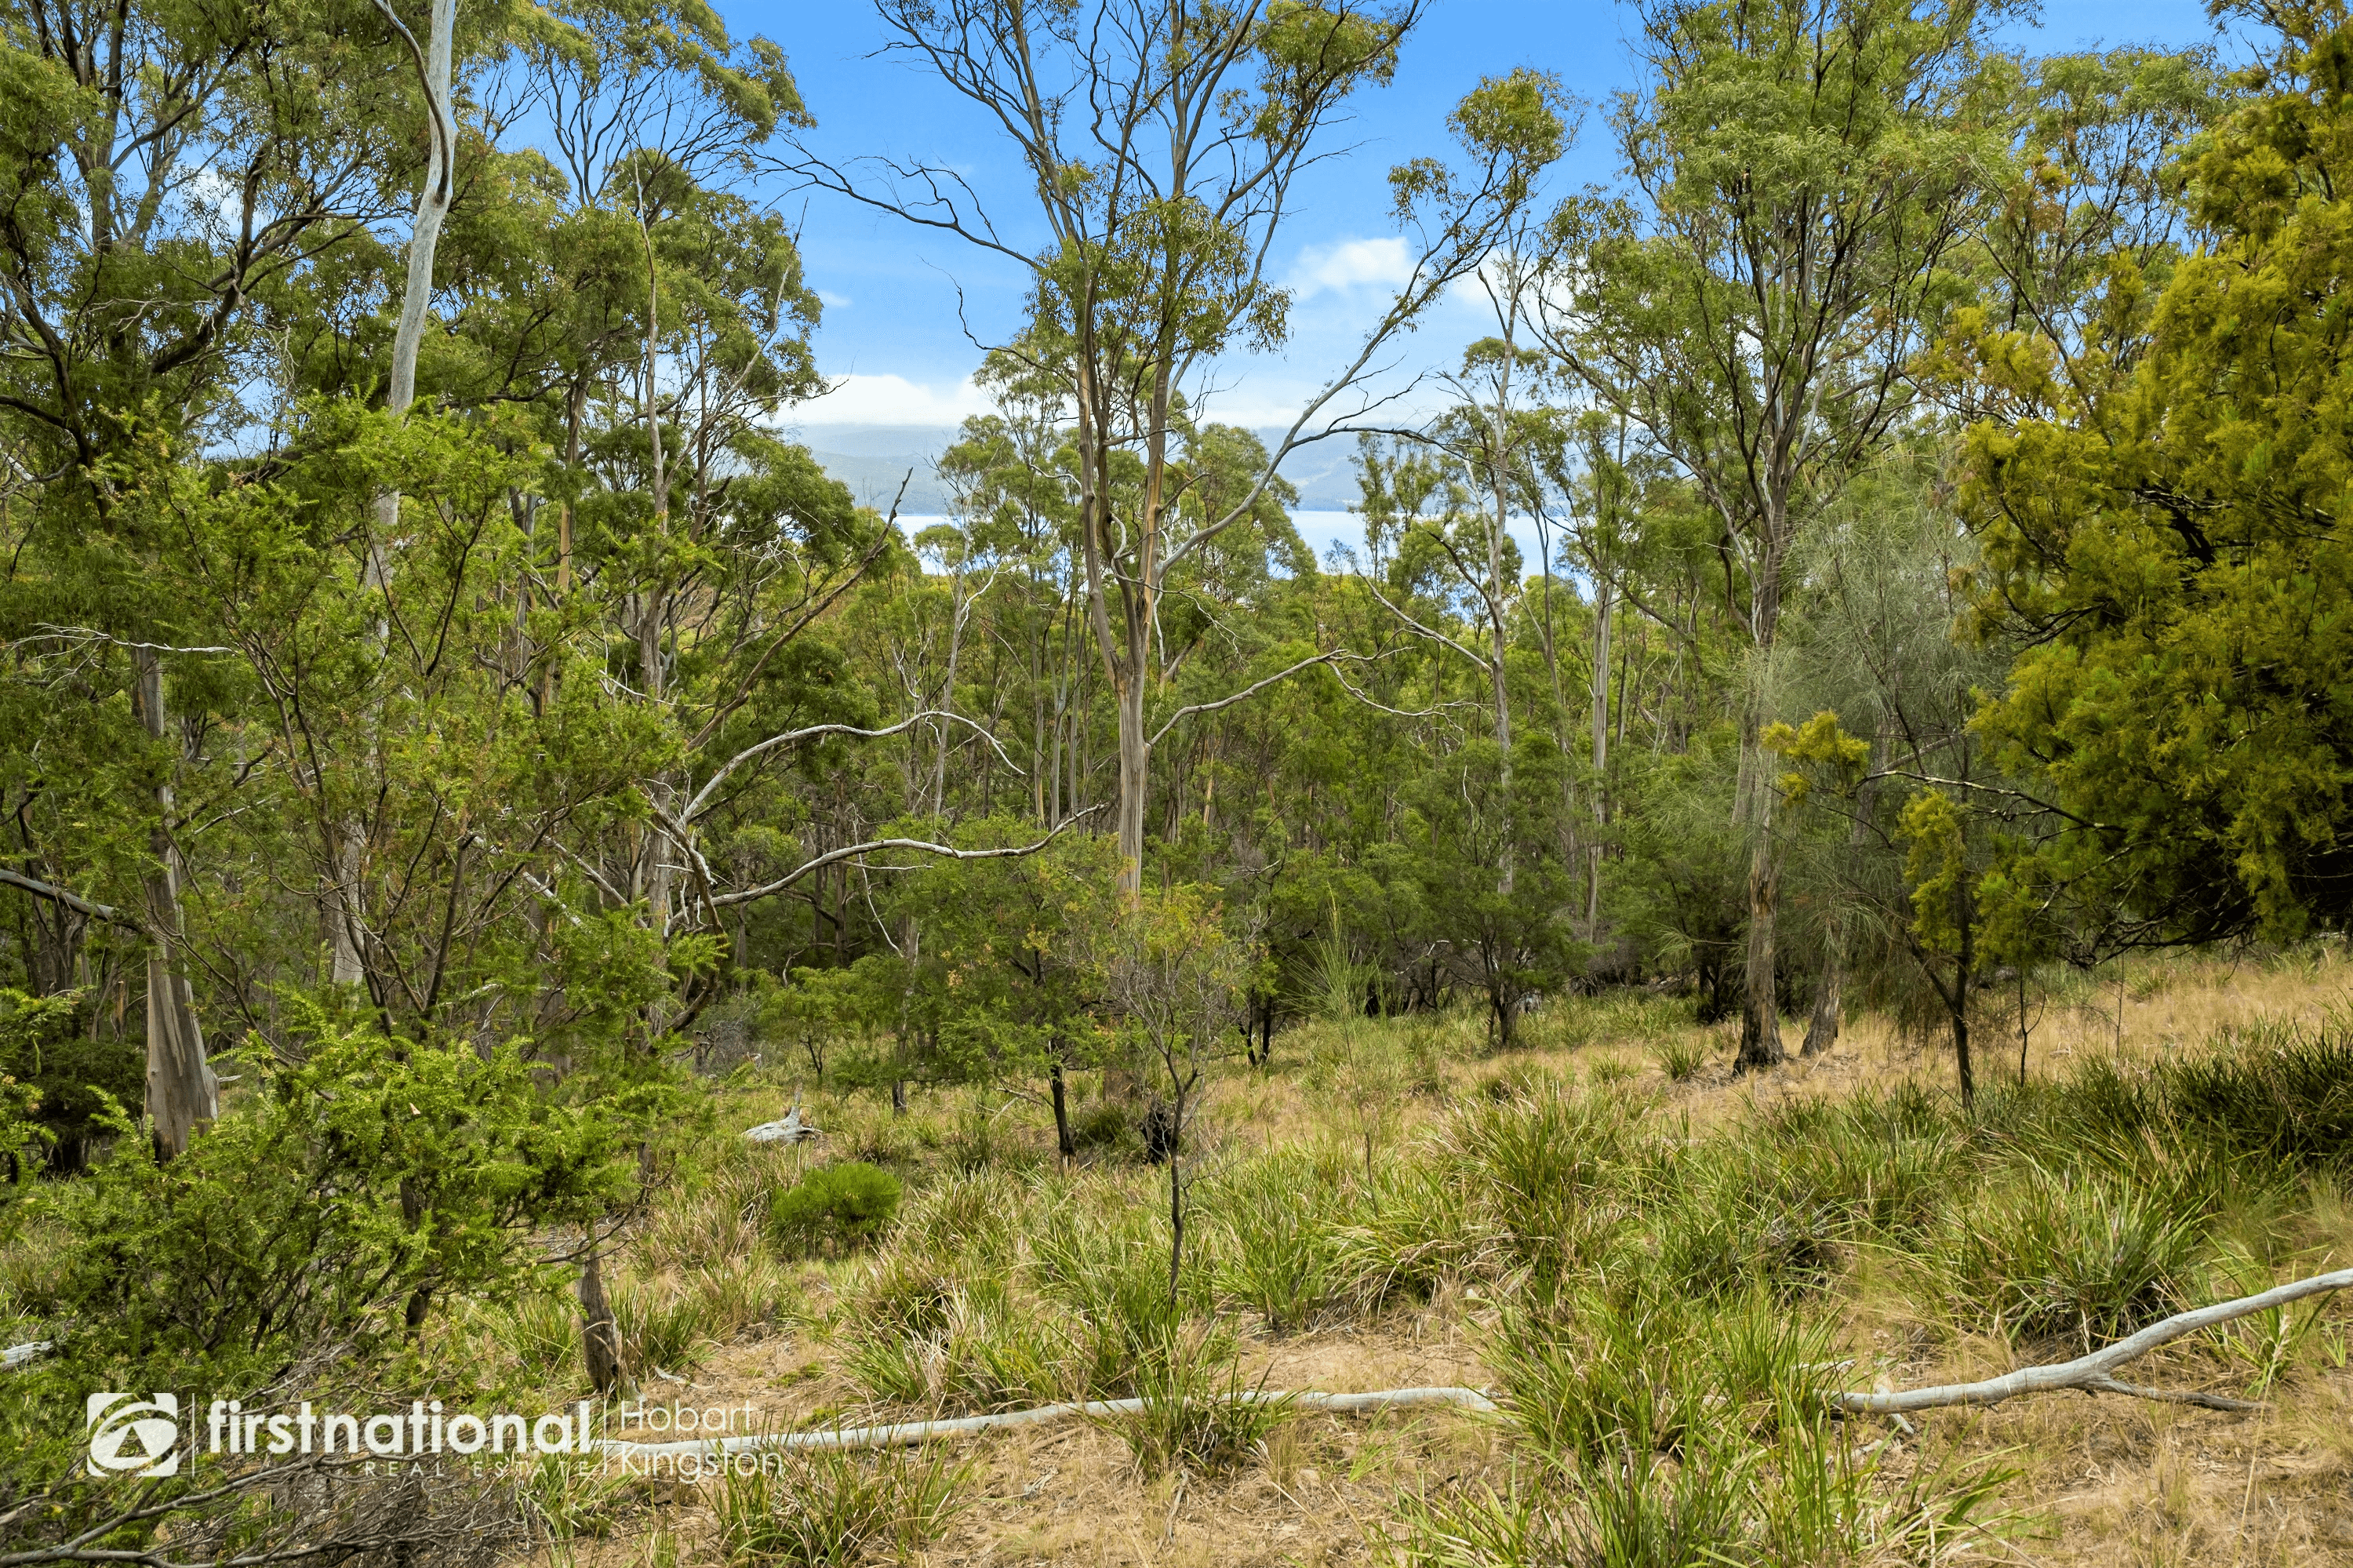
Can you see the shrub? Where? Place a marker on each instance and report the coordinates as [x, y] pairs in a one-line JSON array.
[[835, 1208]]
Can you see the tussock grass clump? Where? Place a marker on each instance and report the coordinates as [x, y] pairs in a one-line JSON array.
[[542, 1332], [1198, 1413], [2072, 1256], [673, 1335], [1680, 1056], [821, 1509], [1538, 1162], [1282, 1214], [1659, 1432], [744, 1294]]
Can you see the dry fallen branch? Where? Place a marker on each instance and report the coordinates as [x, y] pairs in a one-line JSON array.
[[2095, 1373], [910, 1434]]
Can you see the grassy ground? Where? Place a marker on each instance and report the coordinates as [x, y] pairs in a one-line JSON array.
[[1656, 1268]]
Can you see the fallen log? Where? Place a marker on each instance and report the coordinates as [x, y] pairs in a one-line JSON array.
[[910, 1434], [791, 1130], [2095, 1373]]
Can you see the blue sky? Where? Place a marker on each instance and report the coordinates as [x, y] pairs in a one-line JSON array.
[[891, 332]]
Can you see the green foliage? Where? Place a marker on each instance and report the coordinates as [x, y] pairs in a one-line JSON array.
[[835, 1208], [2160, 499], [74, 1078], [366, 1170]]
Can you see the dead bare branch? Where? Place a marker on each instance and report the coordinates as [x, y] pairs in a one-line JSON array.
[[2095, 1373]]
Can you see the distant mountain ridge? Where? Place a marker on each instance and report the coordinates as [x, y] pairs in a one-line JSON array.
[[872, 459]]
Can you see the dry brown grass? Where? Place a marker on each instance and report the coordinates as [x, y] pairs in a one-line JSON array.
[[2101, 1482]]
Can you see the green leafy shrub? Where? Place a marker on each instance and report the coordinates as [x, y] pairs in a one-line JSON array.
[[72, 1078], [835, 1208]]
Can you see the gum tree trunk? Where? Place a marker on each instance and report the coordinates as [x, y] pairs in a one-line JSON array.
[[182, 1094], [347, 911]]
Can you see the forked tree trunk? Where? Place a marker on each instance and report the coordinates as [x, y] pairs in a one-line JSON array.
[[182, 1094]]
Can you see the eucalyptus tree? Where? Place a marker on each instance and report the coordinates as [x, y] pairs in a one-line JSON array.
[[167, 170], [1492, 442], [1162, 143], [1803, 172]]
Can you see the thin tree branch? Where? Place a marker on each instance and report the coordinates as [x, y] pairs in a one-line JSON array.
[[852, 851]]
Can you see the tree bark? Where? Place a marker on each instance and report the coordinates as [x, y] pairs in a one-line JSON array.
[[182, 1093], [1823, 1033], [600, 1338], [1603, 609], [1760, 1018], [1063, 1141]]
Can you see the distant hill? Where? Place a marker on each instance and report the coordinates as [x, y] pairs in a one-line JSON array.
[[872, 459]]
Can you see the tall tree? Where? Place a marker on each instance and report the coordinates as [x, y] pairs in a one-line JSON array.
[[2160, 497], [1804, 169], [1162, 141]]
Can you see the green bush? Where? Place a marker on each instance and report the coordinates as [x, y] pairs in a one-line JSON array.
[[835, 1208], [1105, 1127]]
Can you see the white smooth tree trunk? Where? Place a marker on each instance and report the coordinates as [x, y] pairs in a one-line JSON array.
[[349, 921]]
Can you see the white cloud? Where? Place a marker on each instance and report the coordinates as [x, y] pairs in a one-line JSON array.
[[1349, 264], [892, 401], [832, 300]]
